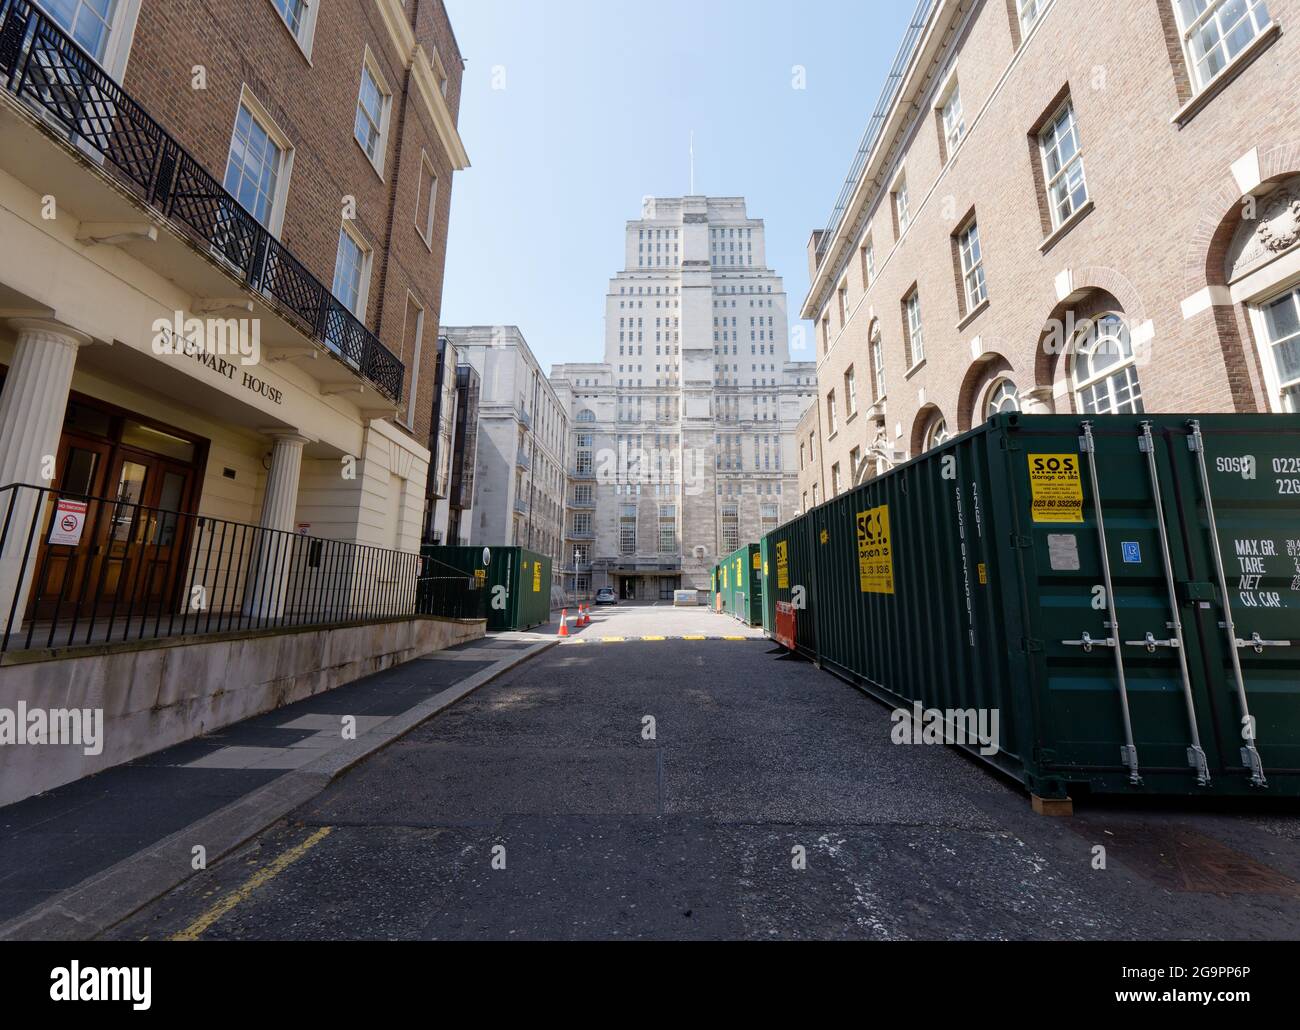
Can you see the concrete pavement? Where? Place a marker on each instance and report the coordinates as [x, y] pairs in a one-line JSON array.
[[714, 789]]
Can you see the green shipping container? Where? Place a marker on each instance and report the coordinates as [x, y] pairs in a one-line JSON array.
[[741, 575], [1122, 593], [518, 581]]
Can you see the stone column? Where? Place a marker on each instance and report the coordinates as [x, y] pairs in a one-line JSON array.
[[32, 408], [273, 552]]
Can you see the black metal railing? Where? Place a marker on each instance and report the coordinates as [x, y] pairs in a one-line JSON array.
[[45, 69], [77, 570]]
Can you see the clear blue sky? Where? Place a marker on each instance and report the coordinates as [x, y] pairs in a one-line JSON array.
[[599, 103]]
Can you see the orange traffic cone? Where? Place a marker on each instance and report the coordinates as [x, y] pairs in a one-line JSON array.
[[564, 623], [584, 615]]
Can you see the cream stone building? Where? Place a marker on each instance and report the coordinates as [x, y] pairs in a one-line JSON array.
[[522, 428], [681, 446], [1064, 206]]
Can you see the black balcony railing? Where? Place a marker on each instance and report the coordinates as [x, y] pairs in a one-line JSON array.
[[78, 570], [42, 66]]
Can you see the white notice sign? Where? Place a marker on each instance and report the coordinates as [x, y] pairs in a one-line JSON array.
[[69, 521]]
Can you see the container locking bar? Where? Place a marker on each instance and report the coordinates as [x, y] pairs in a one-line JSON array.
[[1249, 753], [1151, 643], [1257, 645], [1128, 753], [1088, 643], [1195, 753]]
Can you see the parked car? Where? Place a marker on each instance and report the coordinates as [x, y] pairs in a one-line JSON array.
[[606, 595]]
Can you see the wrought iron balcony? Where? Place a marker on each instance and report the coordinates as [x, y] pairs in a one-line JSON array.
[[523, 459], [52, 76]]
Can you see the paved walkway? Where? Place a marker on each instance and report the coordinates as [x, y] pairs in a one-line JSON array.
[[55, 841], [763, 799]]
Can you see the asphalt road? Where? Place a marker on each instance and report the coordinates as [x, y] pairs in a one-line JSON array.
[[538, 808]]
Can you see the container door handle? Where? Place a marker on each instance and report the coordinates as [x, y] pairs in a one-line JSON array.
[[1257, 645], [1151, 643], [1128, 753], [1088, 643], [1249, 753]]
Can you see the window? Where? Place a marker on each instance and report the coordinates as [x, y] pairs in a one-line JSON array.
[[627, 529], [850, 393], [972, 267], [581, 523], [1282, 329], [901, 213], [1216, 31], [1067, 189], [426, 199], [299, 17], [668, 529], [803, 453], [371, 125], [352, 272], [832, 423], [586, 415], [1105, 375], [954, 122], [582, 494], [1002, 397], [769, 517], [89, 22], [936, 433], [868, 254], [843, 296], [855, 462], [730, 528], [581, 554], [255, 167], [878, 360], [835, 480], [915, 337], [1030, 11]]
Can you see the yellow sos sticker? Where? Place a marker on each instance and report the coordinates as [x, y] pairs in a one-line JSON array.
[[783, 565], [537, 577], [1055, 487], [875, 551], [758, 560]]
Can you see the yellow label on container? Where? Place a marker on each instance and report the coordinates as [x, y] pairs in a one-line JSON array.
[[825, 536], [1056, 488], [984, 574], [724, 577], [875, 551], [758, 560], [537, 577], [783, 565]]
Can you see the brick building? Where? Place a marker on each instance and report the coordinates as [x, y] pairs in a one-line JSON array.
[[1062, 206], [271, 165]]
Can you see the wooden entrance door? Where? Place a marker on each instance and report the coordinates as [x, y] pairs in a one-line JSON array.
[[132, 555]]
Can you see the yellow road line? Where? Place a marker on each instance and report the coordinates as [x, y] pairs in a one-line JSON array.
[[654, 638], [612, 640], [697, 636], [260, 878], [735, 638]]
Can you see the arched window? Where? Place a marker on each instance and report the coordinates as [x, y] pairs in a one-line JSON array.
[[936, 433], [1003, 396], [586, 415], [1105, 375]]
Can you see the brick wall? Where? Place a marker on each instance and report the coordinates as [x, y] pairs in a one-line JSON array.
[[1164, 204], [245, 43]]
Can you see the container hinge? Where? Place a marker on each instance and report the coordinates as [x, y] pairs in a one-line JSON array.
[[1030, 645], [1251, 760], [1088, 643], [1128, 755], [1196, 759], [1151, 643], [1145, 444], [1257, 645], [1085, 445]]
